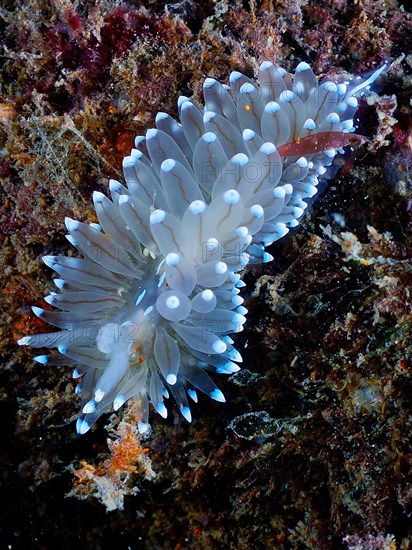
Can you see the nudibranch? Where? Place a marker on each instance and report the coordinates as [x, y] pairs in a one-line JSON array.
[[150, 305]]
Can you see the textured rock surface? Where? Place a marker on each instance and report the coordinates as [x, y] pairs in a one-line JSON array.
[[314, 442]]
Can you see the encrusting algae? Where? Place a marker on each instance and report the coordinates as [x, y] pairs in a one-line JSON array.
[[112, 479]]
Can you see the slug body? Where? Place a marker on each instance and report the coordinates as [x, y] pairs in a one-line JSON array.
[[151, 306]]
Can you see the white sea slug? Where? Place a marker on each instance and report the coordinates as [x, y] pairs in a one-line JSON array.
[[150, 306]]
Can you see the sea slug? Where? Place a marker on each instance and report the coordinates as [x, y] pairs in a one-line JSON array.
[[150, 306]]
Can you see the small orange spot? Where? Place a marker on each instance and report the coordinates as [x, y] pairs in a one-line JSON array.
[[401, 168], [141, 359], [247, 107]]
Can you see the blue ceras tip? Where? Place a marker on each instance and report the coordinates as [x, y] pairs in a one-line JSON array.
[[72, 225], [217, 395], [77, 374], [171, 379], [41, 359], [186, 413], [89, 407], [234, 355], [219, 346], [82, 426], [142, 427], [118, 402], [161, 409], [192, 394], [38, 311]]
